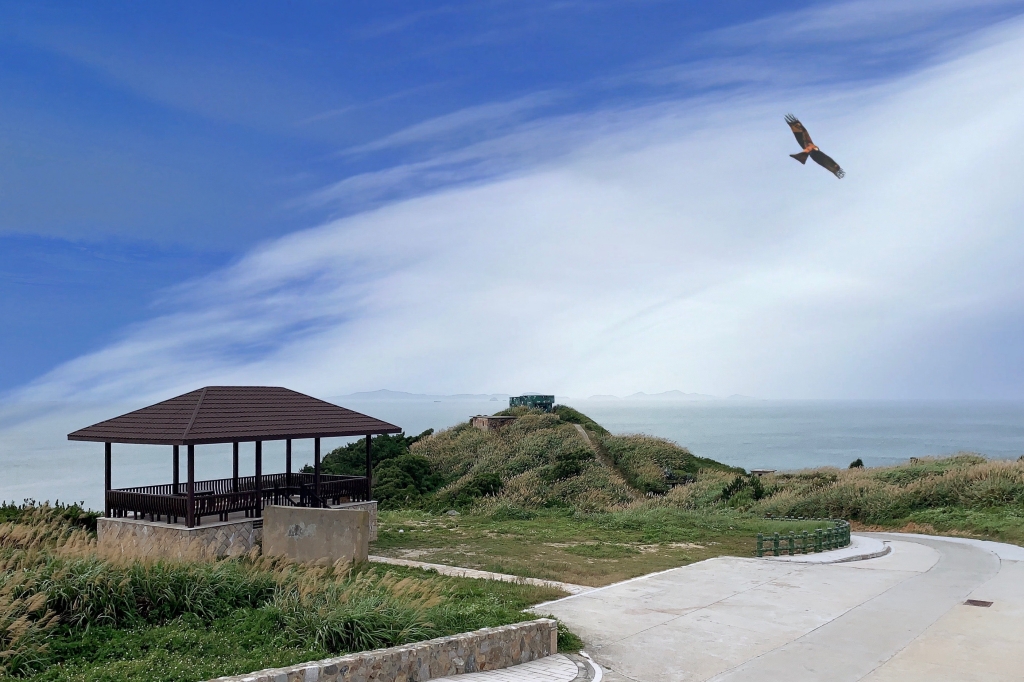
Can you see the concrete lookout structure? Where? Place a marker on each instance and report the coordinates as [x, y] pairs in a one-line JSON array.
[[167, 520]]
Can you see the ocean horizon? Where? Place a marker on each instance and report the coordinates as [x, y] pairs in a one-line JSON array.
[[41, 464]]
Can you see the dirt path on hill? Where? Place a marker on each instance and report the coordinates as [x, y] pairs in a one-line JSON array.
[[604, 459]]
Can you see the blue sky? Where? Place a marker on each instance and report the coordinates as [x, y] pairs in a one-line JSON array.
[[285, 193]]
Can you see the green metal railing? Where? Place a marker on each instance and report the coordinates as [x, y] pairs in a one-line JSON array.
[[805, 542]]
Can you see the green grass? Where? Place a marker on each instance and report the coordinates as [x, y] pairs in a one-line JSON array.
[[69, 613], [536, 499], [965, 494], [653, 465], [581, 548], [543, 461], [192, 648]]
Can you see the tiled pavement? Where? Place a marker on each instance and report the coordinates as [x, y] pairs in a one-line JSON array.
[[556, 668]]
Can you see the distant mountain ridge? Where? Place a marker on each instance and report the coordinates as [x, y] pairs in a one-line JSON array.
[[670, 395], [388, 395], [385, 394]]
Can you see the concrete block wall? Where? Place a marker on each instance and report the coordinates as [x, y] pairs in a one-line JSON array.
[[486, 649], [371, 507], [313, 534]]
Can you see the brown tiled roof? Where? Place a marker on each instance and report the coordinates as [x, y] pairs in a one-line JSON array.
[[226, 414]]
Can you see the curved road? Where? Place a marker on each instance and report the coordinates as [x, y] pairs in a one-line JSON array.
[[900, 617]]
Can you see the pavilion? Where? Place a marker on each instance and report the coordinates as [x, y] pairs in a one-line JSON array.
[[234, 414]]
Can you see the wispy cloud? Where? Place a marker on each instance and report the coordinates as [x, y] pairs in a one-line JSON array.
[[478, 118], [667, 246], [879, 22]]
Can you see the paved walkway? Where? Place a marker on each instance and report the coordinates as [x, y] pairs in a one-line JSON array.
[[896, 618], [557, 668], [459, 572]]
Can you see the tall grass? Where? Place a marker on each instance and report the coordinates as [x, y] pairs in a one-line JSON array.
[[888, 495], [539, 460], [25, 624], [542, 461], [56, 587], [654, 465]]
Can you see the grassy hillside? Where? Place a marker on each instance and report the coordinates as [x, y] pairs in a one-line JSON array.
[[542, 461]]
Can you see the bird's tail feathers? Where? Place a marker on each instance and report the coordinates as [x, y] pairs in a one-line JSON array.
[[801, 157]]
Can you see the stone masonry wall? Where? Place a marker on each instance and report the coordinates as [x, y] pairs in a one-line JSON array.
[[145, 539], [486, 649]]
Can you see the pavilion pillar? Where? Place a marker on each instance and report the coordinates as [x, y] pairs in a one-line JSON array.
[[176, 464], [106, 479], [234, 467], [369, 471], [316, 467], [288, 463], [190, 512], [259, 478]]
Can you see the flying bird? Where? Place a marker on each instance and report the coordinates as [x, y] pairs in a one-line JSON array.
[[811, 149]]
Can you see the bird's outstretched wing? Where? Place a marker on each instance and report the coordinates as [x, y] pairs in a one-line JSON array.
[[799, 132], [825, 161]]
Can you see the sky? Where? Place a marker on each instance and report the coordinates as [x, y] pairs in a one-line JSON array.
[[567, 197]]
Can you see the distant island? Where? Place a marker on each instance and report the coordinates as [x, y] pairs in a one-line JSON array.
[[385, 394], [670, 396], [389, 395]]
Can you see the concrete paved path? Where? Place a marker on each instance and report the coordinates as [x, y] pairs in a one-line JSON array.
[[898, 617], [460, 572], [556, 668]]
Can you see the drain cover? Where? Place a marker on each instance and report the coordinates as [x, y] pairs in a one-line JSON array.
[[977, 602]]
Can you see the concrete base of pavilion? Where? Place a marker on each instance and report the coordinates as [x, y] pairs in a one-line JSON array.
[[140, 539]]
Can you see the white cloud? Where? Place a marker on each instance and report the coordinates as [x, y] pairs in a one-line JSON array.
[[884, 23], [675, 247], [469, 118]]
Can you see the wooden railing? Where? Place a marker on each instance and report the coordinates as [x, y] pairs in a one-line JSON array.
[[124, 502], [223, 496]]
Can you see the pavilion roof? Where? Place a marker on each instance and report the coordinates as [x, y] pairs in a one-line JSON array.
[[227, 414]]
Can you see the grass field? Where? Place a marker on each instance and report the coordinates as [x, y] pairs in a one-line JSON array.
[[585, 549]]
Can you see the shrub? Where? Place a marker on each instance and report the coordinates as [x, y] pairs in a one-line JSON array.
[[654, 464], [351, 459], [402, 481]]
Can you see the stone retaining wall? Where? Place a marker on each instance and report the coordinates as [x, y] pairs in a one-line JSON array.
[[154, 540], [486, 649]]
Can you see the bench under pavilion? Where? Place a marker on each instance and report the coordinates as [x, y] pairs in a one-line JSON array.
[[233, 414]]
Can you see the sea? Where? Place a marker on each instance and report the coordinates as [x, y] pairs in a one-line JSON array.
[[38, 462]]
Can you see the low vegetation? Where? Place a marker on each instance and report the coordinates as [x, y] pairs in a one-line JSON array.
[[401, 478], [584, 548], [543, 462], [69, 613], [965, 494], [538, 498], [550, 495]]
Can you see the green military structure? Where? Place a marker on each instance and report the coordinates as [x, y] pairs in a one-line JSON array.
[[538, 402]]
